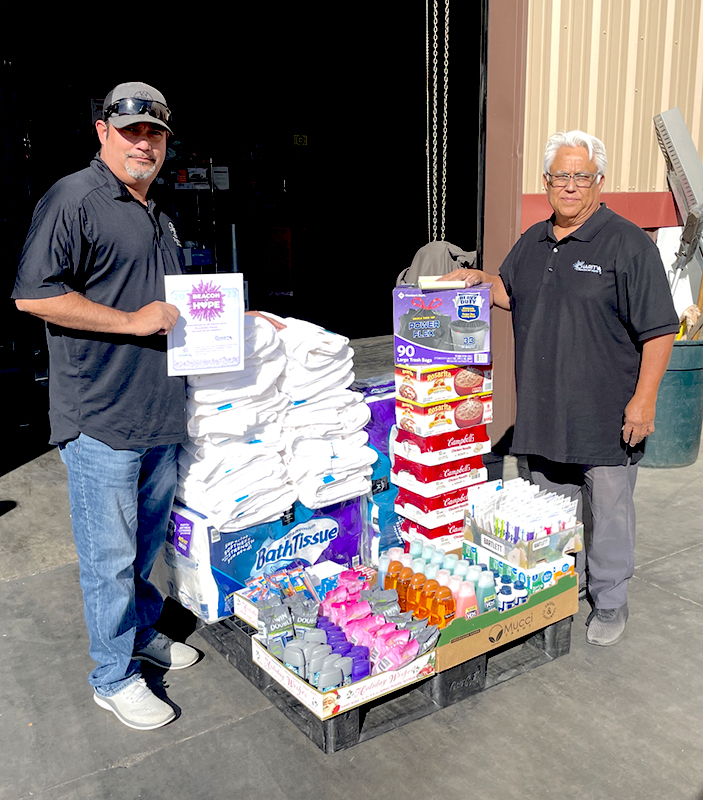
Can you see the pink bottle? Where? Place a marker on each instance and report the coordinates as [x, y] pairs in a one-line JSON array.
[[466, 603], [454, 583], [443, 576]]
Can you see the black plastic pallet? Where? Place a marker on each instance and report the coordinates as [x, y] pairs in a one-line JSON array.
[[232, 638]]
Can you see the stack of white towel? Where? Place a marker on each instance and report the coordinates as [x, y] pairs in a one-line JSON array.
[[284, 428], [326, 450], [232, 468]]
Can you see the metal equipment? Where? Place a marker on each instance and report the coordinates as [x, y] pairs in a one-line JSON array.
[[685, 177]]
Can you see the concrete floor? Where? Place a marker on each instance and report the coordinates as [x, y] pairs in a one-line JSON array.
[[624, 722]]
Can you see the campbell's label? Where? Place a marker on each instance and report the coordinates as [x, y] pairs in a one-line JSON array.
[[445, 440], [452, 529], [453, 499], [429, 473]]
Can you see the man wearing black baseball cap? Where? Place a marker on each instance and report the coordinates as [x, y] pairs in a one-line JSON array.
[[93, 269]]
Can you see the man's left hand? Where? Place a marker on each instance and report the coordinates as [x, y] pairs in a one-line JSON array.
[[471, 277], [639, 421]]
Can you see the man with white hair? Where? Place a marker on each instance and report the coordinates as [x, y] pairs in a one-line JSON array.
[[594, 326]]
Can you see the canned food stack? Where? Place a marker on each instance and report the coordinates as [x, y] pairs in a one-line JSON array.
[[444, 385]]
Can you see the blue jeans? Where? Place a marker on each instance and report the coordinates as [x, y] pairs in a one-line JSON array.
[[120, 508]]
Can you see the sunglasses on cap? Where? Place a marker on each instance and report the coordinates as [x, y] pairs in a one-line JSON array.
[[134, 106]]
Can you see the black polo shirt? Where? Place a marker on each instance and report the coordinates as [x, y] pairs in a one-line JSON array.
[[90, 235], [582, 307]]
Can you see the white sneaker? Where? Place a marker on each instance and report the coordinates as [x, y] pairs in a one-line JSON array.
[[166, 653], [137, 707]]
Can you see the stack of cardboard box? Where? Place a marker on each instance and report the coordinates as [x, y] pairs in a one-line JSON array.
[[444, 400]]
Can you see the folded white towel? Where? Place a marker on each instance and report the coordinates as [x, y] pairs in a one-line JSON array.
[[347, 420], [325, 448], [268, 434], [317, 494], [210, 471], [264, 509], [263, 500], [249, 382], [260, 343], [308, 343], [297, 372], [234, 489], [307, 391], [254, 442], [353, 460], [320, 409], [236, 417], [232, 422], [236, 483], [271, 398]]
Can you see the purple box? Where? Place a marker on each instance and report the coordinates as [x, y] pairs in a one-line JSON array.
[[446, 326]]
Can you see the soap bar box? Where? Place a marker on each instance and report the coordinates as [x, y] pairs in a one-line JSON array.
[[438, 327], [525, 553]]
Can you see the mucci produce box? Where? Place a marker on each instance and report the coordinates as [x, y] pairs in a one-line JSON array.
[[437, 327], [202, 567], [464, 639]]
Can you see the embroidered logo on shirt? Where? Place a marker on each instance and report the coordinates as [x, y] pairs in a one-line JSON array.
[[172, 228], [581, 266]]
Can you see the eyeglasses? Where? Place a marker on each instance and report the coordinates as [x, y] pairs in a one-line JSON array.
[[583, 180], [134, 106]]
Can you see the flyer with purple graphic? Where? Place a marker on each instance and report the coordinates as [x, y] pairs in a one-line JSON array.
[[209, 334]]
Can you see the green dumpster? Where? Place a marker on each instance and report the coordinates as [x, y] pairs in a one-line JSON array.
[[677, 435]]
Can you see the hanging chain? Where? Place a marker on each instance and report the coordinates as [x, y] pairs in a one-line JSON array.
[[427, 109], [431, 151], [434, 123], [444, 119]]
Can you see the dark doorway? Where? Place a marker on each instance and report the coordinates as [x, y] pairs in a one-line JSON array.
[[318, 111]]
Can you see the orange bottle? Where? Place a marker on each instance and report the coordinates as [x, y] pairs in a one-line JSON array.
[[412, 601], [391, 578], [443, 607], [426, 597], [404, 577]]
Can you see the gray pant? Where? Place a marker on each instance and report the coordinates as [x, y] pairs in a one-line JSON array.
[[610, 553]]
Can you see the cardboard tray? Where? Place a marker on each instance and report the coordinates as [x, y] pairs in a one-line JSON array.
[[525, 553], [338, 701], [232, 639], [465, 639]]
